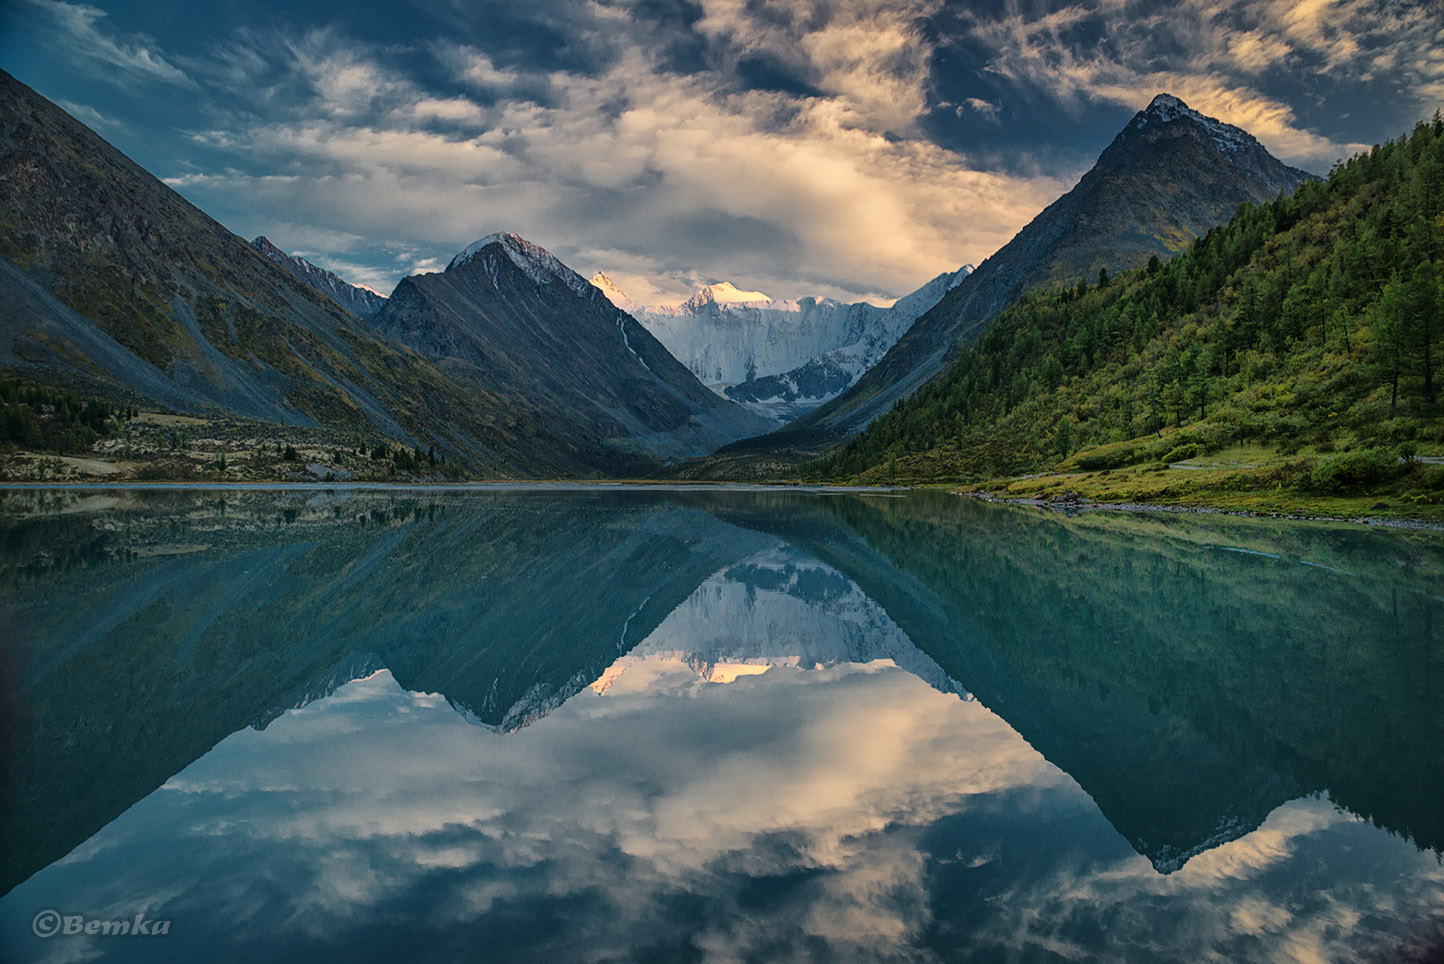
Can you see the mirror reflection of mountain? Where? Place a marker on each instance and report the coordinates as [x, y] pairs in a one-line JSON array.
[[1187, 688], [160, 626], [778, 607], [1190, 672]]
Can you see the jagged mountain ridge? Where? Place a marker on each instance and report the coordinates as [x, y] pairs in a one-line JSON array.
[[512, 319], [1169, 176], [361, 302], [780, 357]]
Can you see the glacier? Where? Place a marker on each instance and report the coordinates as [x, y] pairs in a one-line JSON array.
[[779, 357]]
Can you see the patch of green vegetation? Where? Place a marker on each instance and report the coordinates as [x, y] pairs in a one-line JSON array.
[[43, 419], [1310, 328], [1304, 487], [47, 435]]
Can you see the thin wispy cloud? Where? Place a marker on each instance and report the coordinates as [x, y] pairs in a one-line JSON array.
[[85, 39]]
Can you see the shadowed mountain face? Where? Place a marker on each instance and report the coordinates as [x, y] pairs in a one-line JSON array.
[[1168, 177], [513, 320], [112, 283], [1190, 674]]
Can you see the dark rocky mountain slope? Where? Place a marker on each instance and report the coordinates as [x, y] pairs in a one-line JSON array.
[[114, 285], [1169, 176], [510, 317]]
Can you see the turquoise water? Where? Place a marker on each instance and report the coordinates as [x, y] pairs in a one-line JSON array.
[[714, 725]]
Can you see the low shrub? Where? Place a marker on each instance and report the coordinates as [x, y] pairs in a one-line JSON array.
[[1113, 456], [1186, 451], [1356, 470]]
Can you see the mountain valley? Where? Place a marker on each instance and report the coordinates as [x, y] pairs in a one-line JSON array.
[[141, 340]]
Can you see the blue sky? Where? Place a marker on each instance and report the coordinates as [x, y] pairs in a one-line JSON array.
[[851, 148]]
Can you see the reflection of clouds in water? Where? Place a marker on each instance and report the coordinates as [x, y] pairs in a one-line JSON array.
[[753, 819], [1271, 843], [1311, 884]]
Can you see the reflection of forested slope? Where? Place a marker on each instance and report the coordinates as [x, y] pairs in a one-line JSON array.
[[1112, 642], [142, 662]]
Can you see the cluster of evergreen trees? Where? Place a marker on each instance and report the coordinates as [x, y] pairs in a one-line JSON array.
[[407, 460], [47, 420], [1312, 320]]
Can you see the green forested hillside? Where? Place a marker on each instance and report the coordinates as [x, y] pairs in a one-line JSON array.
[[1302, 339]]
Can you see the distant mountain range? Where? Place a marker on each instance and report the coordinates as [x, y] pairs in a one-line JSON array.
[[1169, 176], [361, 302], [779, 357]]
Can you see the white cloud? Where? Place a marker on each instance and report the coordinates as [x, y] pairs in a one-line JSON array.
[[111, 57], [476, 68], [455, 109], [622, 164]]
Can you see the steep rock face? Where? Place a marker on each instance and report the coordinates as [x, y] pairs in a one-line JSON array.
[[112, 283], [1169, 176], [779, 357], [518, 323], [361, 302]]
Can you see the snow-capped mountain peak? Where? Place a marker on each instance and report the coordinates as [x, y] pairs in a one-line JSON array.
[[614, 294], [779, 356], [1167, 109], [539, 264], [725, 293]]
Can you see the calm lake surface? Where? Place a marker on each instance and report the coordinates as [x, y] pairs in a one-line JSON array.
[[618, 725]]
